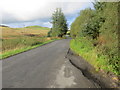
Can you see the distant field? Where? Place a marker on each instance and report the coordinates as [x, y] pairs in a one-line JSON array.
[[17, 38], [9, 33]]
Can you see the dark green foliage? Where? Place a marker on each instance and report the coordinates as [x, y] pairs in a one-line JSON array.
[[101, 26], [99, 6], [59, 24], [49, 33], [109, 33], [92, 28], [81, 21]]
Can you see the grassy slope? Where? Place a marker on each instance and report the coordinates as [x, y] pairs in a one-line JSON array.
[[16, 40], [84, 48], [38, 27], [9, 32]]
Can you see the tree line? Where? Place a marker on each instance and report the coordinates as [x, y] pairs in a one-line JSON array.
[[100, 26]]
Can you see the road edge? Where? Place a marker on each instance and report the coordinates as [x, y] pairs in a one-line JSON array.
[[90, 72]]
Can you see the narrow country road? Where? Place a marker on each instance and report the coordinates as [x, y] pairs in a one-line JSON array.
[[43, 67]]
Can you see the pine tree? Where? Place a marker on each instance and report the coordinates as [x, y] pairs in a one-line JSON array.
[[59, 24]]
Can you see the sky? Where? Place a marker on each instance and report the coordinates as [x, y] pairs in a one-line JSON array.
[[22, 13]]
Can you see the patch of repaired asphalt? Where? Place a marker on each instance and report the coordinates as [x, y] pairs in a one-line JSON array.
[[64, 81], [70, 77]]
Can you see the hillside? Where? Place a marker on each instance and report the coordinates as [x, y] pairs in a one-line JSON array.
[[3, 26], [36, 30], [38, 27], [21, 39]]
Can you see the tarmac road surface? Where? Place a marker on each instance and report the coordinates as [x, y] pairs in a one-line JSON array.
[[43, 67]]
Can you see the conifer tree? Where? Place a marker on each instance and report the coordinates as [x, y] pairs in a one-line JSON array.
[[59, 24]]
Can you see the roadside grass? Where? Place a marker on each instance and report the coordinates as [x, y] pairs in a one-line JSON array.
[[23, 49], [17, 40], [84, 48]]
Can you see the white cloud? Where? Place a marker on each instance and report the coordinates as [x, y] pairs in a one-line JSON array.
[[48, 24], [26, 10]]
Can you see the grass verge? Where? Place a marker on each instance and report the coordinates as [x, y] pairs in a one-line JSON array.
[[84, 48], [23, 49]]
